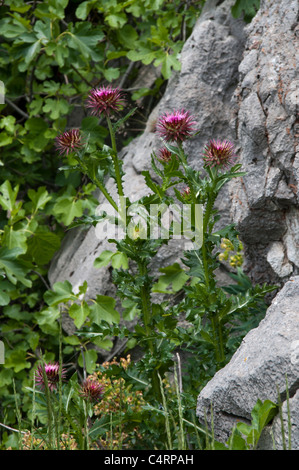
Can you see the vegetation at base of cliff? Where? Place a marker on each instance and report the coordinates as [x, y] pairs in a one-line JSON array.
[[52, 55]]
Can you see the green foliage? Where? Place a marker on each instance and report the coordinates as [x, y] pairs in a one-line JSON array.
[[54, 52], [246, 436], [245, 8]]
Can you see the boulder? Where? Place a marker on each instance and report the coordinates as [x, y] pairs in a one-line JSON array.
[[267, 356], [265, 201]]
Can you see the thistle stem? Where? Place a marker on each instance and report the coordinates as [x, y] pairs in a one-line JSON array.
[[106, 194], [216, 326], [146, 310], [115, 158]]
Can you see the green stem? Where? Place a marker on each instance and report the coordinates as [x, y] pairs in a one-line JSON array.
[[218, 339], [216, 326], [146, 310], [206, 220], [145, 301], [106, 194], [115, 158]]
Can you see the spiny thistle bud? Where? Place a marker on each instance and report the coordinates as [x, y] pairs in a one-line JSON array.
[[164, 155], [69, 141], [92, 390], [105, 100], [51, 370], [186, 193], [176, 126], [219, 153]]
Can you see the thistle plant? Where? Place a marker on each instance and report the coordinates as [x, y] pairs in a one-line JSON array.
[[68, 403], [206, 306]]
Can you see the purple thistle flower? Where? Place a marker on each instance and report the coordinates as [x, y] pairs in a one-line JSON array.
[[105, 100], [92, 390], [219, 153], [175, 126], [52, 374], [69, 141]]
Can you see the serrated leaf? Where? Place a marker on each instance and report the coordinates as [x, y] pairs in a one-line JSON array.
[[56, 107], [9, 195], [42, 246], [169, 62], [14, 238], [16, 359], [116, 20], [67, 208], [104, 259], [121, 121], [47, 319], [84, 8], [119, 260], [103, 309], [153, 186], [39, 197], [85, 39], [14, 269], [79, 313], [131, 310], [173, 276], [62, 292], [146, 56], [5, 287], [8, 123], [206, 337]]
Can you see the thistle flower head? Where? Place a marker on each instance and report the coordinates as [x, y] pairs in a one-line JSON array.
[[186, 192], [164, 155], [69, 141], [176, 126], [105, 100], [219, 153], [52, 373], [92, 390]]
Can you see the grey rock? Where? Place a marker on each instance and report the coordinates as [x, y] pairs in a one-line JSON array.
[[257, 370], [265, 200], [276, 259]]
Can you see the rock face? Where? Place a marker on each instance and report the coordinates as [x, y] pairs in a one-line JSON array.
[[205, 85], [265, 208], [267, 355], [265, 201]]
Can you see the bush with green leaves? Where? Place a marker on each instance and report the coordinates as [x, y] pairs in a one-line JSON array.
[[52, 53]]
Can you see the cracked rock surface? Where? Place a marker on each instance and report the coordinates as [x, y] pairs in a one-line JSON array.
[[266, 356], [265, 201]]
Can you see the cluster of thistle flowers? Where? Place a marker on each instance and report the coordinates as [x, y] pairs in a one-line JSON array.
[[91, 389], [235, 259], [176, 127]]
